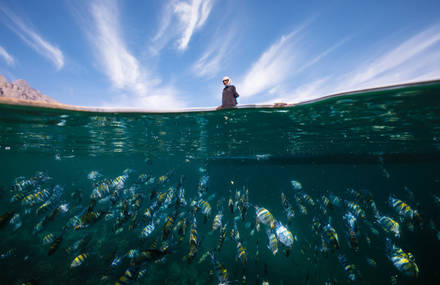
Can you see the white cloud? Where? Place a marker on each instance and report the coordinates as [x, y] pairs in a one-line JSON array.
[[209, 64], [120, 65], [318, 58], [159, 98], [305, 92], [179, 21], [414, 59], [399, 64], [192, 16], [271, 68], [34, 40], [6, 56], [133, 79]]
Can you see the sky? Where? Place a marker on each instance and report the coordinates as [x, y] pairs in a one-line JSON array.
[[163, 55]]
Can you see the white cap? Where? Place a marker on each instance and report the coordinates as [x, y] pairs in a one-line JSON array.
[[226, 78]]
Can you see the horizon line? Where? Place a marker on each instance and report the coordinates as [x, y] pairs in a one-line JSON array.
[[126, 110]]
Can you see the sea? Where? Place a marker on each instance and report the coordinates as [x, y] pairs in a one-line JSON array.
[[340, 190]]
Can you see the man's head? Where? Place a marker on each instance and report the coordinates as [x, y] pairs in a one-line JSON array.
[[226, 80]]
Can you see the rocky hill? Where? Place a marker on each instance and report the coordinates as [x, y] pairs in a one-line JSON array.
[[20, 89]]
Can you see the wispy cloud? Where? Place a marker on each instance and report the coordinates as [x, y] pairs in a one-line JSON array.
[[210, 63], [6, 56], [32, 38], [192, 16], [416, 58], [398, 64], [271, 68], [179, 21], [140, 88], [319, 57], [119, 64], [304, 92]]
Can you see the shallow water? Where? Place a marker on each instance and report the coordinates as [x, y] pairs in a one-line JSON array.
[[378, 143]]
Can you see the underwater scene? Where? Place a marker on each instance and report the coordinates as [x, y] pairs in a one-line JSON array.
[[342, 190]]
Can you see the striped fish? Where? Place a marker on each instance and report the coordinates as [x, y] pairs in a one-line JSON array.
[[77, 261]]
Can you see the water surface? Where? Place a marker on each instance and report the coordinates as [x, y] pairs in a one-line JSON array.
[[375, 143]]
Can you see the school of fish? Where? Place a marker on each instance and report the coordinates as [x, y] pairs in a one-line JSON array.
[[167, 222]]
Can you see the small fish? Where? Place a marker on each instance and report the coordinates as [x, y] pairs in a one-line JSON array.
[[167, 227], [273, 245], [371, 262], [221, 237], [296, 185], [287, 207], [146, 232], [93, 175], [241, 252], [404, 262], [231, 205], [132, 253], [284, 235], [349, 268], [219, 269], [47, 239], [79, 260], [389, 225], [352, 231], [35, 198], [203, 257], [206, 209], [55, 244], [326, 202], [193, 241], [150, 254], [356, 209], [116, 261], [217, 221], [332, 236], [306, 197], [316, 226], [119, 182], [128, 277], [16, 221], [264, 216], [142, 178], [100, 191], [402, 208], [43, 208], [335, 200]]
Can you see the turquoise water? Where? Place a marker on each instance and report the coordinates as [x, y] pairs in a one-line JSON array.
[[59, 179]]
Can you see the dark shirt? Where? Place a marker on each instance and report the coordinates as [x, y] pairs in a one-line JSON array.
[[229, 96]]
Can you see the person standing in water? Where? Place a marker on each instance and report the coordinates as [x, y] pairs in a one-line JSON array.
[[229, 95]]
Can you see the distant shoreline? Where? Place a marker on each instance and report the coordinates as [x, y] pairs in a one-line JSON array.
[[32, 103]]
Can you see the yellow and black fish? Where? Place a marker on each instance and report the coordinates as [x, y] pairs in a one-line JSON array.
[[193, 241], [219, 269], [79, 260], [404, 262], [128, 277], [349, 268], [55, 244], [221, 237], [167, 227], [264, 216], [241, 251]]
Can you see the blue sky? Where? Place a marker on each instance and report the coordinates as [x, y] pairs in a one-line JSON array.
[[172, 54]]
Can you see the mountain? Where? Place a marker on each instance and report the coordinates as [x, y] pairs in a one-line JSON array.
[[21, 90]]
